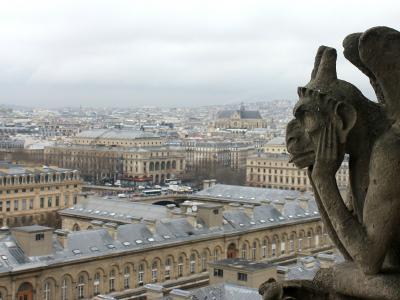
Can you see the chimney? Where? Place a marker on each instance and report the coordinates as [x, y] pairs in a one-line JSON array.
[[154, 291], [34, 240], [170, 210], [282, 273], [192, 219], [62, 237], [303, 203], [151, 224], [249, 210], [112, 229], [177, 294], [210, 214], [326, 260], [136, 220], [265, 202], [279, 205], [209, 183]]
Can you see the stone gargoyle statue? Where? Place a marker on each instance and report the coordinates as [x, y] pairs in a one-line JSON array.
[[333, 118]]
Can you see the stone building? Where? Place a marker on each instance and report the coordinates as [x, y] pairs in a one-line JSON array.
[[118, 137], [223, 153], [33, 195], [96, 162], [119, 259], [275, 145], [274, 170], [239, 119]]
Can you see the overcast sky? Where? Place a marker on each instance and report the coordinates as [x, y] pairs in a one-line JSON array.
[[173, 53]]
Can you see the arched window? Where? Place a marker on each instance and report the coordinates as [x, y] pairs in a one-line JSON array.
[[151, 168], [47, 291], [273, 247], [64, 289], [173, 164], [167, 271], [81, 287], [141, 274], [154, 271], [291, 243], [127, 277], [157, 166], [264, 248], [193, 263], [76, 227], [244, 251], [180, 266], [111, 281], [204, 261], [283, 245], [254, 251], [96, 283], [216, 254]]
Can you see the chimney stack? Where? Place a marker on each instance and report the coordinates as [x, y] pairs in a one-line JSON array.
[[62, 237]]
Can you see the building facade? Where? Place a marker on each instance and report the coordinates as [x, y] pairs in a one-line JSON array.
[[97, 163], [274, 170], [224, 153], [33, 195], [119, 260], [239, 119]]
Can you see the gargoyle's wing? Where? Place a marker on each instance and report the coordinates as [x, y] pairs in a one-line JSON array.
[[379, 51]]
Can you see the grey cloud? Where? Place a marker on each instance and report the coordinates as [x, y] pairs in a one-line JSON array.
[[127, 53]]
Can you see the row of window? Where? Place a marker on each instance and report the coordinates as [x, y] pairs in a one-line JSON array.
[[26, 204]]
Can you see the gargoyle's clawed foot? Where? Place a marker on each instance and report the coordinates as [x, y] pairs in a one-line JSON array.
[[291, 290]]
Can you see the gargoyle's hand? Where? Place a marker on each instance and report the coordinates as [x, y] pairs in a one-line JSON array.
[[326, 161]]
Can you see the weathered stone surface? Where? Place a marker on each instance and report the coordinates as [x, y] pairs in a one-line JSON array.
[[333, 118]]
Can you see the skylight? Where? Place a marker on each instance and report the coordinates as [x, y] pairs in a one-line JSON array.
[[126, 244], [76, 251], [139, 242]]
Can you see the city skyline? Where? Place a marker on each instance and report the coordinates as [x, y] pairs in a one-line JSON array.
[[171, 54]]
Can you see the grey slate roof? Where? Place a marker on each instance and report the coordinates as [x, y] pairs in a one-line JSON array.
[[254, 195], [116, 134], [243, 114], [140, 236], [113, 209], [225, 291]]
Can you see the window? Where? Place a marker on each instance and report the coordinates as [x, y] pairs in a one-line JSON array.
[[140, 274], [273, 248], [283, 246], [167, 272], [40, 236], [216, 254], [180, 266], [47, 291], [23, 204], [264, 249], [1, 205], [111, 281], [218, 273], [49, 202], [96, 283], [242, 277], [30, 203], [16, 205], [254, 251], [244, 251], [81, 287], [192, 263], [64, 289], [57, 201], [127, 277], [300, 244], [154, 271], [204, 262], [41, 202]]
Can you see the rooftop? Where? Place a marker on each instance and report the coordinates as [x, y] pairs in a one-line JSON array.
[[116, 134], [242, 264]]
